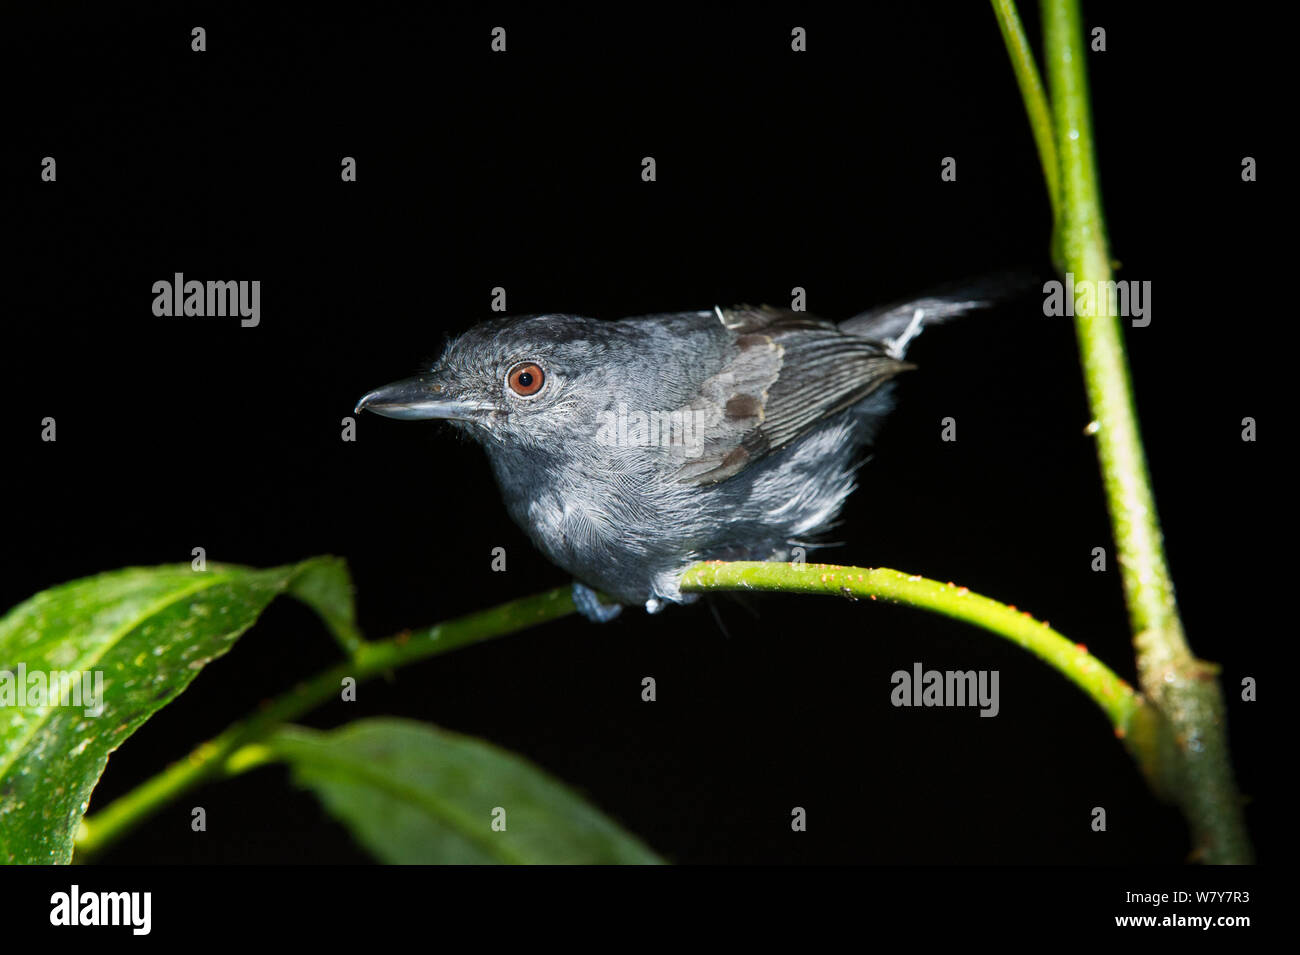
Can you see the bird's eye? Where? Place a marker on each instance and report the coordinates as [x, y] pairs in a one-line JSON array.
[[526, 378]]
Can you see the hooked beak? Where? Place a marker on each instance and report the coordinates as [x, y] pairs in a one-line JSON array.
[[416, 399]]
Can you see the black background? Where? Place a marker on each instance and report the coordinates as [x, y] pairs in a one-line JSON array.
[[522, 170]]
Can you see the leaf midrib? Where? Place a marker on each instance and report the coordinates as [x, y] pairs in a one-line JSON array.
[[444, 812]]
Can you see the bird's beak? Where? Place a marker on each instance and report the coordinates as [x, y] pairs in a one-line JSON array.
[[419, 398]]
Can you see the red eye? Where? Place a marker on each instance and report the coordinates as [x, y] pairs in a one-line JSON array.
[[526, 378]]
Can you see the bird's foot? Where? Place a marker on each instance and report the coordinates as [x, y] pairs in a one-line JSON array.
[[656, 604], [590, 605], [666, 589]]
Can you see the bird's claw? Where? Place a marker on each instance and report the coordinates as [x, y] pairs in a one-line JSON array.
[[590, 605]]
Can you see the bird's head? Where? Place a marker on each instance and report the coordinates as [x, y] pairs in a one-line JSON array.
[[523, 383]]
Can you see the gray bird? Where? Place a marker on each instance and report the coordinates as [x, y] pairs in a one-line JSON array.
[[629, 449]]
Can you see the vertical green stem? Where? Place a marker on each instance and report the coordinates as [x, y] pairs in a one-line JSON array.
[[1182, 687], [1034, 96]]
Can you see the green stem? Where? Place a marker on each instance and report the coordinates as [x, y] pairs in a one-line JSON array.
[[1034, 96], [1182, 687], [1127, 711], [214, 757], [238, 748]]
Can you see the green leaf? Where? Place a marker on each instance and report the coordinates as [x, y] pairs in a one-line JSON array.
[[412, 793], [325, 585], [145, 632]]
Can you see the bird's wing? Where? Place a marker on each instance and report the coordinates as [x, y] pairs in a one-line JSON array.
[[790, 372]]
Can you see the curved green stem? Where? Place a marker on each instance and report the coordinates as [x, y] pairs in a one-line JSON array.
[[237, 749], [1122, 705]]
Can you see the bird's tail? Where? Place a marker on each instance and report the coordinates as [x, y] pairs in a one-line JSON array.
[[897, 324]]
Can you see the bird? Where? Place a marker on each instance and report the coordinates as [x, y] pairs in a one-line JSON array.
[[629, 449]]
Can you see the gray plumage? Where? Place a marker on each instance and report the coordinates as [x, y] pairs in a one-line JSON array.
[[654, 442]]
